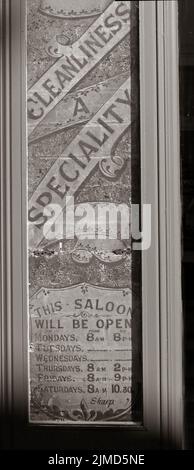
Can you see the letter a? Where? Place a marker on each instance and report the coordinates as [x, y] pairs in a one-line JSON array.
[[80, 106]]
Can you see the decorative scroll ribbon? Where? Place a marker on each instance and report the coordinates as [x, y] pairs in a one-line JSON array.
[[108, 251], [77, 60], [77, 107], [81, 414], [73, 8], [92, 146]]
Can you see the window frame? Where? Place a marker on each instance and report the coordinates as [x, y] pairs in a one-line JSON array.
[[161, 264]]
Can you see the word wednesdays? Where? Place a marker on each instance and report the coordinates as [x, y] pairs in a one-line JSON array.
[[100, 38]]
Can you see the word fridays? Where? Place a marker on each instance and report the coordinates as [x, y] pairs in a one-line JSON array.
[[102, 36]]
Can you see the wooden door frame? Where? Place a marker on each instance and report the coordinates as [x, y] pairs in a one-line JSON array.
[[161, 264]]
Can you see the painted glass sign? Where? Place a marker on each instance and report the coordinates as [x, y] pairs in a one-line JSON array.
[[83, 179]]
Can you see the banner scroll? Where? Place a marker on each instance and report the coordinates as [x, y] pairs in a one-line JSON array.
[[76, 61], [73, 8]]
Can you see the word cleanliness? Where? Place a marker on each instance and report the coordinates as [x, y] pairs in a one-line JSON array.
[[79, 59]]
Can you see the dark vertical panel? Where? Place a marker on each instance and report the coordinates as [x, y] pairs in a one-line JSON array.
[[186, 30]]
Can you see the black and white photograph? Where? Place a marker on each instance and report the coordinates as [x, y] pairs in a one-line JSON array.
[[96, 231]]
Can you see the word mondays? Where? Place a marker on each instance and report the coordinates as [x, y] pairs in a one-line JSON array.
[[100, 38]]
